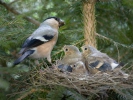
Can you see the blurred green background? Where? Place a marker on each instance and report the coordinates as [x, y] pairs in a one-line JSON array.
[[114, 24]]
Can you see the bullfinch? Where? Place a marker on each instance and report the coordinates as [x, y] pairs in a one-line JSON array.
[[41, 41]]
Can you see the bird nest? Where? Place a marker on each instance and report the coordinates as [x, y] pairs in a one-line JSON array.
[[84, 84]]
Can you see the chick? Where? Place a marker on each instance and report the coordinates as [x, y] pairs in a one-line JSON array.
[[79, 68], [96, 60], [71, 57], [41, 41]]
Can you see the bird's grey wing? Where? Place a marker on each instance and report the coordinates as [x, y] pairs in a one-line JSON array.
[[34, 42], [44, 30], [43, 36], [30, 43], [103, 67], [40, 36], [105, 58], [99, 54]]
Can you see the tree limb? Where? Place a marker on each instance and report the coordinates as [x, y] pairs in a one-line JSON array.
[[11, 9]]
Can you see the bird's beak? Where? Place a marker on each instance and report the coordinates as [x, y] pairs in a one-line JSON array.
[[61, 23]]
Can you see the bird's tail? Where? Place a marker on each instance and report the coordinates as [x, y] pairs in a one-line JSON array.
[[23, 56], [121, 65]]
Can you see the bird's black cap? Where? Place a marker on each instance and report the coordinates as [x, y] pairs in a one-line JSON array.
[[58, 19], [61, 22]]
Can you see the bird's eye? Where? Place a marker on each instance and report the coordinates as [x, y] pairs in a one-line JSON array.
[[74, 65], [85, 48], [66, 49], [55, 18]]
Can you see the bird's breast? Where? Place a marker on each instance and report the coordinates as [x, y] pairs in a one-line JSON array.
[[44, 50]]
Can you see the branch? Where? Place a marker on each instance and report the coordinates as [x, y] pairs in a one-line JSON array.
[[11, 9], [117, 43]]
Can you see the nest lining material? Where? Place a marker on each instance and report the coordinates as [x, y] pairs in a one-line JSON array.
[[84, 84]]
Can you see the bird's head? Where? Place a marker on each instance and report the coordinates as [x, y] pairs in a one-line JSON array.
[[87, 49], [54, 22], [79, 65], [71, 50]]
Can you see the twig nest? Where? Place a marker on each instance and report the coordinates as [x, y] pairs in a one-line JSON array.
[[83, 83]]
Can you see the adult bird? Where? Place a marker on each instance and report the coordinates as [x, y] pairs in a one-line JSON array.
[[41, 41], [97, 61]]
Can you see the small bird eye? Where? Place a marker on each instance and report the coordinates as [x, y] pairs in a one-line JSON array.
[[85, 48], [74, 65], [66, 49]]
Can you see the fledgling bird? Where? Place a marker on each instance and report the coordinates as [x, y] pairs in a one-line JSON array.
[[72, 55], [79, 68], [41, 41], [96, 60]]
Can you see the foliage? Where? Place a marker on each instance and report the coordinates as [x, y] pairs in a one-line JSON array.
[[61, 93], [114, 28]]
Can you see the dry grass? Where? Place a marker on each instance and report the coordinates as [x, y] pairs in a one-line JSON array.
[[83, 84]]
